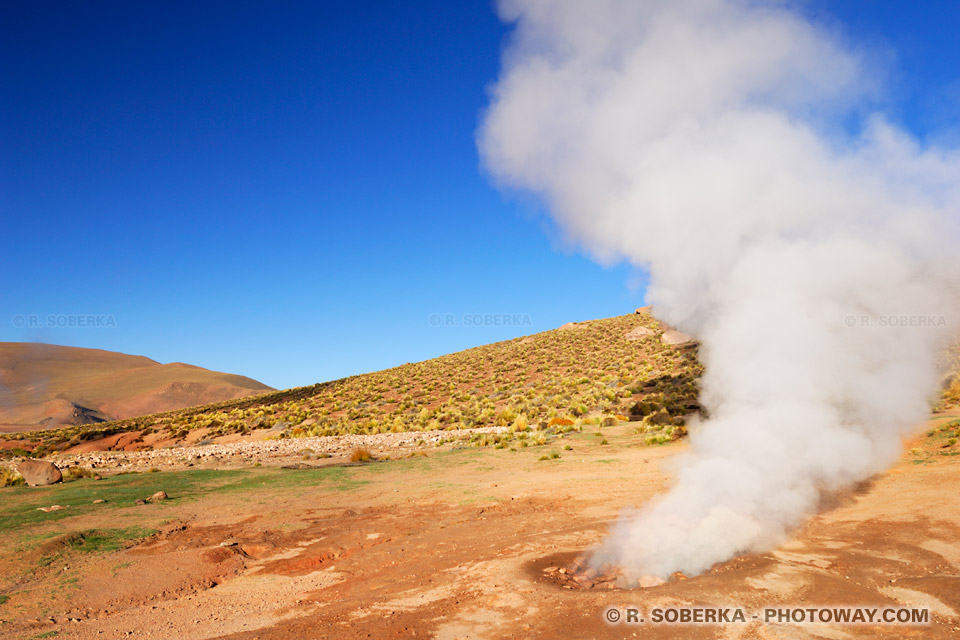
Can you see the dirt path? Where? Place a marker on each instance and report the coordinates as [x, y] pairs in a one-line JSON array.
[[454, 545]]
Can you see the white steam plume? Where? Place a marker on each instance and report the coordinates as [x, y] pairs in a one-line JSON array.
[[708, 141]]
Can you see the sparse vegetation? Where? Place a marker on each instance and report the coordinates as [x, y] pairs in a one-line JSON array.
[[549, 383], [18, 508], [947, 434], [544, 385], [951, 394], [102, 540]]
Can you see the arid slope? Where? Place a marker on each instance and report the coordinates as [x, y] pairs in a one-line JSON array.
[[44, 385], [609, 369]]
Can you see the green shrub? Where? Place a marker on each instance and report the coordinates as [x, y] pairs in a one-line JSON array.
[[75, 473], [10, 478]]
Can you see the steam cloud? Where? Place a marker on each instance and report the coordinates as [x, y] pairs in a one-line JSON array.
[[709, 141]]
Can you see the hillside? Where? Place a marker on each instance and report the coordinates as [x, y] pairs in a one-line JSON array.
[[45, 386], [613, 370], [581, 371]]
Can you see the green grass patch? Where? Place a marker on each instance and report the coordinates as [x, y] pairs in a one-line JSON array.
[[18, 506], [106, 540]]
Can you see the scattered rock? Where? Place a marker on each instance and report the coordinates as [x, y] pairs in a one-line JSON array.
[[230, 542], [639, 333], [99, 501], [646, 582], [674, 337], [39, 472], [642, 310], [584, 581], [55, 507], [158, 496]]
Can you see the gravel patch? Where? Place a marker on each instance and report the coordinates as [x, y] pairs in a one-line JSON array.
[[268, 452]]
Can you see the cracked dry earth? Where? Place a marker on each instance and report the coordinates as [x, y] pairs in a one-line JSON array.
[[466, 545]]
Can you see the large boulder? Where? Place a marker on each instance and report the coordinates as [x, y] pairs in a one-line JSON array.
[[39, 472]]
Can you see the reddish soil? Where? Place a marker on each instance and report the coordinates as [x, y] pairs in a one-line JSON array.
[[469, 545]]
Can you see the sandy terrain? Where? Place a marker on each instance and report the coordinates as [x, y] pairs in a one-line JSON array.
[[454, 544]]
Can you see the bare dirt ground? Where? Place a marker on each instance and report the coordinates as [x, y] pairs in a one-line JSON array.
[[451, 545]]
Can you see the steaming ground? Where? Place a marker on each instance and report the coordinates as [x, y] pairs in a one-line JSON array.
[[451, 545], [710, 141]]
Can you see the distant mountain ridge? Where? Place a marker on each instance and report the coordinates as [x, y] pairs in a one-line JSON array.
[[44, 386]]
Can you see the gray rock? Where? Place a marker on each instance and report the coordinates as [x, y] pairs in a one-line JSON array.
[[39, 472]]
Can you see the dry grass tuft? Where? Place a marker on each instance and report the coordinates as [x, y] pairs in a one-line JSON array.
[[361, 454]]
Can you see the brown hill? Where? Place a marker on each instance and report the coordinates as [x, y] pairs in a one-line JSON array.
[[45, 385]]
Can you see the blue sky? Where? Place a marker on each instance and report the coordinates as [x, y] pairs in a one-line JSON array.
[[291, 191]]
